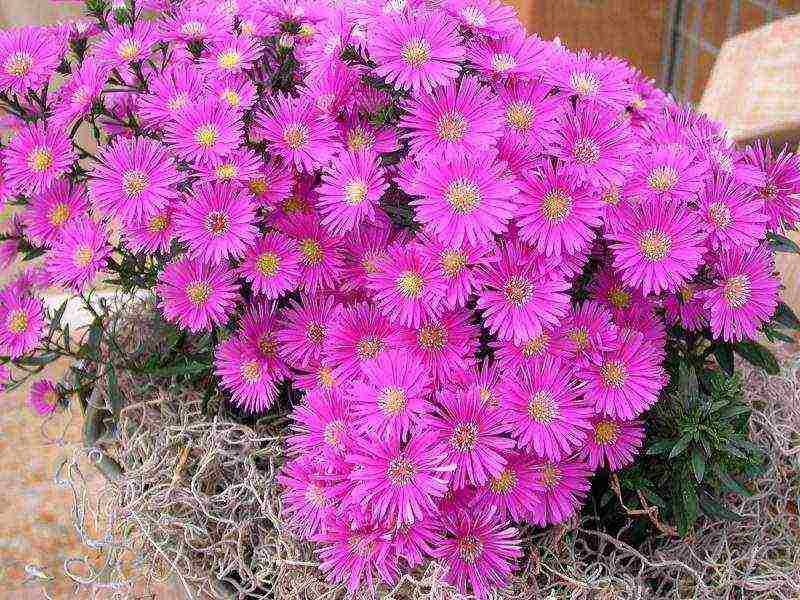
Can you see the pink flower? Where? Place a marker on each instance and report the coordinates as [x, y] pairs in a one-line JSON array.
[[613, 442], [744, 293], [513, 493], [204, 130], [196, 295], [667, 173], [468, 198], [485, 17], [152, 234], [359, 134], [241, 371], [79, 253], [321, 259], [36, 157], [781, 189], [272, 265], [238, 168], [237, 91], [322, 428], [418, 52], [171, 94], [21, 322], [594, 80], [304, 329], [76, 97], [517, 55], [557, 214], [588, 329], [522, 294], [563, 486], [659, 247], [48, 213], [272, 184], [125, 44], [307, 500], [351, 191], [356, 337], [195, 22], [453, 121], [732, 212], [685, 307], [44, 397], [217, 221], [480, 551], [28, 58], [530, 114], [458, 265], [229, 54], [513, 356]]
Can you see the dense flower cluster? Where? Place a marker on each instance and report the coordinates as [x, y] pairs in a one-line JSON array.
[[464, 243]]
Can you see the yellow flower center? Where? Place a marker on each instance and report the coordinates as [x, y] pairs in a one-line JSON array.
[[551, 475], [488, 398], [686, 292], [355, 191], [401, 471], [556, 205], [606, 432], [229, 60], [316, 333], [416, 52], [59, 214], [504, 483], [580, 337], [611, 196], [518, 290], [586, 151], [720, 214], [226, 172], [178, 101], [333, 434], [258, 186], [368, 348], [358, 139], [217, 223], [312, 252], [251, 371], [520, 115], [306, 31], [268, 345], [17, 321], [536, 345], [452, 127], [737, 291], [613, 374], [469, 549], [502, 61], [158, 224], [134, 183], [325, 377], [463, 195], [542, 407], [83, 256], [655, 245], [316, 495], [206, 135], [410, 284], [230, 96], [129, 50], [662, 179], [296, 136], [619, 298], [432, 336], [267, 264], [464, 437], [769, 191], [586, 84], [198, 292], [40, 160], [453, 262], [18, 64], [392, 400]]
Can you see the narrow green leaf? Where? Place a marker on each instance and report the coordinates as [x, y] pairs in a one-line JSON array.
[[654, 498], [730, 484], [681, 445], [758, 356], [55, 322], [786, 316], [36, 361], [698, 464], [66, 338], [660, 447], [690, 504], [113, 391], [781, 243], [724, 355], [716, 509]]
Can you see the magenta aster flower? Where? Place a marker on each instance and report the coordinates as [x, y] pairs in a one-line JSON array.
[[599, 80], [48, 213], [240, 371], [28, 58], [194, 22], [626, 380], [351, 191], [152, 234], [237, 91], [523, 294], [557, 213], [238, 168], [196, 295], [588, 329], [395, 482], [457, 264], [480, 551], [321, 253], [364, 250], [543, 407], [171, 93], [76, 97], [594, 145], [513, 492], [685, 308], [44, 397], [415, 542], [726, 158], [298, 132], [359, 134], [35, 157], [517, 55], [781, 189], [392, 398], [667, 173], [134, 179], [613, 442], [204, 130], [307, 500], [351, 553], [512, 356], [21, 322], [305, 329], [609, 289], [272, 265], [79, 254], [406, 286], [659, 247], [272, 184], [732, 213], [217, 221], [648, 102], [322, 427], [564, 486], [453, 121], [446, 345], [485, 17], [530, 114], [744, 293], [259, 329], [229, 54], [357, 336], [471, 436], [468, 198], [418, 52], [125, 44]]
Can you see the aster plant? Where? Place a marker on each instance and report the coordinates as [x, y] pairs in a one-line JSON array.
[[465, 262]]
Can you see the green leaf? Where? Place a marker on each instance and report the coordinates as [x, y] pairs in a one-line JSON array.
[[65, 333], [781, 243], [786, 316], [654, 498], [724, 354], [37, 361], [734, 411], [681, 445], [730, 484], [716, 509], [698, 464], [660, 447], [113, 391], [758, 356], [55, 322], [188, 368]]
